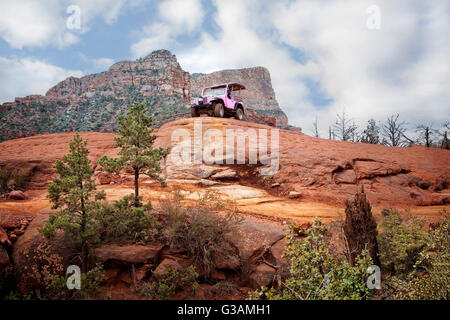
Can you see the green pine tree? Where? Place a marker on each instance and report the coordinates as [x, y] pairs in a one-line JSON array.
[[74, 192], [371, 134], [137, 152]]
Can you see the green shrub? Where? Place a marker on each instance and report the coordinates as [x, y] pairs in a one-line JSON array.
[[20, 178], [224, 288], [90, 284], [315, 273], [4, 177], [13, 179], [122, 219], [200, 230], [400, 243], [431, 277], [166, 287], [16, 296]]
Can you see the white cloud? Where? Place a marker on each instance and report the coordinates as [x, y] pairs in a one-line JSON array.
[[177, 17], [184, 15], [39, 23], [370, 73], [103, 63], [246, 40], [373, 73], [98, 63], [21, 77], [33, 23]]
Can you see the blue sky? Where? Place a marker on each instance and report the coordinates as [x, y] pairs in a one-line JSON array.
[[369, 58]]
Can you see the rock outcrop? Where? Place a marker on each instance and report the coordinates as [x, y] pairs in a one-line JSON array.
[[93, 102], [310, 169], [315, 169]]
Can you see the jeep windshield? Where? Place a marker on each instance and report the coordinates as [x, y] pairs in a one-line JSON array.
[[214, 91]]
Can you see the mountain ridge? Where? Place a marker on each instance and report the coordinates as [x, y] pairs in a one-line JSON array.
[[93, 102]]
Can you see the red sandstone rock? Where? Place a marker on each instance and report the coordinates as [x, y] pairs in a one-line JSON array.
[[113, 255], [165, 266], [17, 195], [229, 260], [263, 275], [6, 269], [144, 272], [320, 169], [4, 239], [104, 178]]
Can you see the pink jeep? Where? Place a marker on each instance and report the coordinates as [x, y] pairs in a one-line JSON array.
[[221, 101]]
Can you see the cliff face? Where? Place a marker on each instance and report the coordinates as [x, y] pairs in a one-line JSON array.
[[158, 71], [93, 102]]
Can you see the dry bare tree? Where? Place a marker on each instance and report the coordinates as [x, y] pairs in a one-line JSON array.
[[345, 128], [445, 143], [315, 129], [394, 132], [426, 133], [331, 134]]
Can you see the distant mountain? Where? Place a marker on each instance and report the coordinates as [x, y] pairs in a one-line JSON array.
[[93, 102]]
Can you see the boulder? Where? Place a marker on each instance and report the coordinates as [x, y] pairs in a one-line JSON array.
[[225, 174], [143, 272], [104, 178], [294, 195], [263, 275], [218, 276], [6, 270], [253, 235], [281, 262], [34, 257], [114, 255], [17, 195], [229, 260], [4, 258], [346, 176], [165, 266], [4, 239]]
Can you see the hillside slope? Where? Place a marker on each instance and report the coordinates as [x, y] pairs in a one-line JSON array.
[[315, 175]]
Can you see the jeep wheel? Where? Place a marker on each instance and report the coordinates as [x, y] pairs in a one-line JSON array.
[[218, 110], [194, 112], [239, 114]]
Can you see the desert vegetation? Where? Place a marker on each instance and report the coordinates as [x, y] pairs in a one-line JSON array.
[[86, 221], [13, 179], [324, 261], [414, 261]]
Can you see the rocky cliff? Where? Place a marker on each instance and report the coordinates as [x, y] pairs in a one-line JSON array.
[[93, 102]]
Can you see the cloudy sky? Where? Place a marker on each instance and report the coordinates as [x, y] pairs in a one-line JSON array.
[[369, 58]]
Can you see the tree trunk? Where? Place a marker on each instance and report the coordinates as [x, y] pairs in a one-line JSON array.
[[136, 188], [84, 245], [360, 228]]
